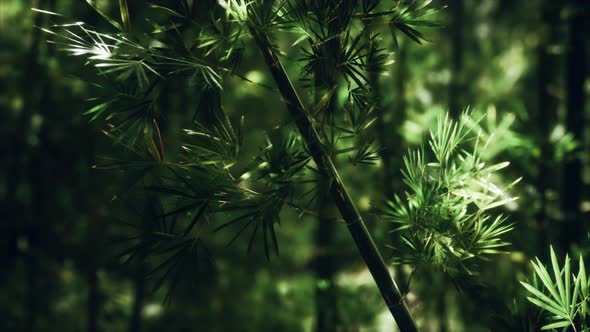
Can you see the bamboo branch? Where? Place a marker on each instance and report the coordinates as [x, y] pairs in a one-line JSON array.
[[346, 206]]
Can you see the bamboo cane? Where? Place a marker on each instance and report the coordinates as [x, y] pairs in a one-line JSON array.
[[364, 242]]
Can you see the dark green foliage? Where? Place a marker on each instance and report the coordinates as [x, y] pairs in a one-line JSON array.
[[150, 175]]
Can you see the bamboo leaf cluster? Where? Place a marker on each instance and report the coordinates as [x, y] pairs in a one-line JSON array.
[[207, 185], [561, 294], [444, 217]]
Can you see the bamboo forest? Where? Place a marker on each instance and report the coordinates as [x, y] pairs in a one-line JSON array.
[[294, 165]]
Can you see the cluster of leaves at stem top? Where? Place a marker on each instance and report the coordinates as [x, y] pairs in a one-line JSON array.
[[561, 294], [444, 217], [199, 43]]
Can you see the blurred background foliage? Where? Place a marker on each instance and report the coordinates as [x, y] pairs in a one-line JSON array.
[[523, 64]]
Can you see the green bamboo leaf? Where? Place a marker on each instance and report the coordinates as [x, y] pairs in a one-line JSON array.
[[544, 298], [424, 23], [45, 12], [124, 9], [583, 292], [583, 278], [412, 33], [556, 325], [567, 285], [557, 311], [542, 273], [573, 307], [98, 110], [167, 10], [499, 203], [299, 40], [497, 167], [96, 7], [200, 212], [557, 272]]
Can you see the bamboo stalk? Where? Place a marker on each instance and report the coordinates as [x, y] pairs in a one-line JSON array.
[[364, 242], [328, 318]]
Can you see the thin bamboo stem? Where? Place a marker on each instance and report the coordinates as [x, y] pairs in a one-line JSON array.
[[364, 242]]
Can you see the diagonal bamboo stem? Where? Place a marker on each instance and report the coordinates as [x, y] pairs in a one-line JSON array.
[[346, 206]]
